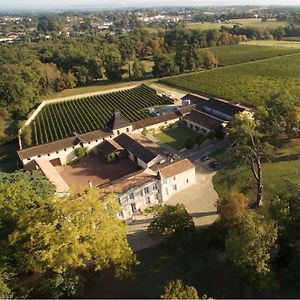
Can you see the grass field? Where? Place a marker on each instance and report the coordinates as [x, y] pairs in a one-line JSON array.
[[292, 38], [250, 83], [58, 120], [257, 23], [253, 22], [176, 137], [274, 43], [284, 167], [235, 54]]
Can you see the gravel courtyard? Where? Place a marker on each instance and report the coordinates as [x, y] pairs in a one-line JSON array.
[[199, 200]]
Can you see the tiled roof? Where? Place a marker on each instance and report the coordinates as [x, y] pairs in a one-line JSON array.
[[197, 100], [225, 107], [204, 120], [170, 169], [61, 144], [128, 182], [53, 176], [117, 121], [109, 146], [135, 148], [162, 118]]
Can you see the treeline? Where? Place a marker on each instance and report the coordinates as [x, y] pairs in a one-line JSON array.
[[30, 71]]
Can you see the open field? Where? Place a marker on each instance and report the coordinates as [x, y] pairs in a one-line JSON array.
[[250, 83], [274, 43], [258, 23], [176, 137], [292, 38], [235, 54], [207, 25], [58, 120], [284, 167]]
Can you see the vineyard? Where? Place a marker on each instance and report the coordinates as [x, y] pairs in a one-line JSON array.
[[58, 120], [250, 83]]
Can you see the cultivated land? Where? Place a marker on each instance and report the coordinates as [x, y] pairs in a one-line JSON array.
[[250, 83], [58, 120], [176, 137], [273, 43], [245, 52]]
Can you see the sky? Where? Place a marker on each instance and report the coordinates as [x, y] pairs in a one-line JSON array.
[[40, 4]]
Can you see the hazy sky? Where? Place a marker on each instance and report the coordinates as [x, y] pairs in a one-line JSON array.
[[38, 4]]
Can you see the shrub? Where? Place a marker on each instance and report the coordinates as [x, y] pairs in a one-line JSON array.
[[145, 132], [80, 152], [176, 289], [111, 157], [219, 133]]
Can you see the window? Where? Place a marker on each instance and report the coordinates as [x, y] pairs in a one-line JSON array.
[[56, 152], [121, 215], [147, 200], [155, 187], [28, 158], [48, 154], [174, 187], [187, 181], [127, 129], [133, 207], [118, 132], [167, 191], [156, 196], [174, 178], [39, 156], [131, 196], [96, 141], [146, 190], [142, 193], [65, 149], [89, 143], [166, 122]]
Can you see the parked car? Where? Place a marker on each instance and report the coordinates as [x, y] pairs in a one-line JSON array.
[[205, 158], [213, 163]]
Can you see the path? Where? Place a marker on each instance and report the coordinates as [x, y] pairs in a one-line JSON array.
[[199, 200]]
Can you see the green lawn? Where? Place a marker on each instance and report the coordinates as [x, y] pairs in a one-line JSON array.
[[257, 23], [176, 137], [284, 167]]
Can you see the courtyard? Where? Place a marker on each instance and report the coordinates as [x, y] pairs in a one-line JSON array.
[[176, 137], [95, 169]]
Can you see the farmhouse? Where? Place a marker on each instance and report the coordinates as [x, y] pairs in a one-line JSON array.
[[151, 186]]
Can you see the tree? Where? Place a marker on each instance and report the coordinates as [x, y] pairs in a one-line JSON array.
[[199, 140], [72, 231], [65, 285], [248, 147], [5, 291], [220, 133], [164, 66], [27, 136], [232, 208], [171, 219], [113, 63], [249, 246], [176, 289], [189, 143], [138, 69], [210, 60], [279, 115]]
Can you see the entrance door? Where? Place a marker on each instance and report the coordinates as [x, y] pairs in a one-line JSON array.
[[133, 207]]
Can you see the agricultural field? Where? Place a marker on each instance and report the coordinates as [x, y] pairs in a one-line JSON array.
[[207, 25], [58, 120], [258, 23], [274, 43], [235, 54], [250, 83]]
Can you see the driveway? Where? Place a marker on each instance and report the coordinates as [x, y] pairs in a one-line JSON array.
[[199, 200]]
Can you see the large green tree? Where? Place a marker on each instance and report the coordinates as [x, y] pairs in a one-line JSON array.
[[176, 289], [72, 231], [249, 246]]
